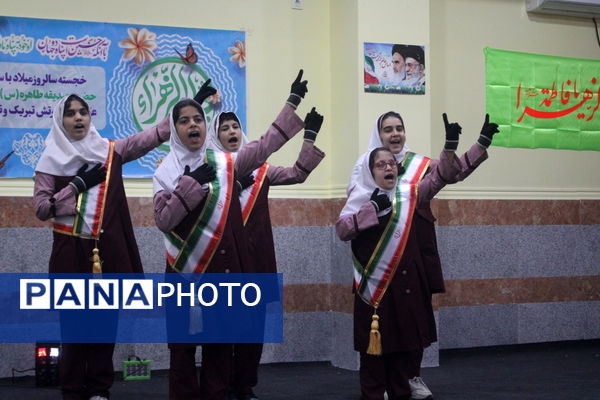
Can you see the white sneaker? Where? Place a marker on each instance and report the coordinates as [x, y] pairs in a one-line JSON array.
[[98, 398], [418, 389]]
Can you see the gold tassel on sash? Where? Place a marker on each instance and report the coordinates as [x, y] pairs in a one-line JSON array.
[[96, 263], [374, 337]]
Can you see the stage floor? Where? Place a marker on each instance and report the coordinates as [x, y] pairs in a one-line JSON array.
[[548, 371]]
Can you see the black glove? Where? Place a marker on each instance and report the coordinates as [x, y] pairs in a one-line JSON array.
[[204, 92], [85, 180], [245, 181], [452, 132], [380, 201], [487, 132], [312, 125], [298, 90], [203, 174]]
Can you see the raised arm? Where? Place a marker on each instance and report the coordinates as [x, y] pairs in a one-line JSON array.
[[470, 160], [438, 175], [135, 146], [310, 156], [442, 172], [285, 126], [478, 152], [254, 154]]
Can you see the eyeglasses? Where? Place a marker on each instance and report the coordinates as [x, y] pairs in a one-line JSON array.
[[382, 164]]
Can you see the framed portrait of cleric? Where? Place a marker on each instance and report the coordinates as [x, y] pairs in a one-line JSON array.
[[131, 75], [394, 68]]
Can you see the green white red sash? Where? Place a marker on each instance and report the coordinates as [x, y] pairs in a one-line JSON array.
[[250, 194], [87, 222], [372, 281], [194, 253]]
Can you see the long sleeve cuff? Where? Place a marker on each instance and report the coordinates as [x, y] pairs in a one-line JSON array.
[[294, 100]]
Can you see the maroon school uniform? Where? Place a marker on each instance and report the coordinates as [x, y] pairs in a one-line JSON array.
[[406, 320], [262, 251], [175, 211], [117, 245], [86, 369], [231, 256]]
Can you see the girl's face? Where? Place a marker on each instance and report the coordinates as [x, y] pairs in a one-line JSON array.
[[385, 170], [191, 128], [392, 134], [76, 120], [230, 135]]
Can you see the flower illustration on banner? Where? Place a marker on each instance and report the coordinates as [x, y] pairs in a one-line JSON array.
[[215, 98], [238, 53], [139, 46]]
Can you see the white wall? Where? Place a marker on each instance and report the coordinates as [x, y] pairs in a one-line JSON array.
[[326, 39], [460, 29], [279, 41]]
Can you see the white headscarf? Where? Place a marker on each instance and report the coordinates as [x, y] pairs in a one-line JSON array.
[[213, 134], [363, 188], [374, 142], [172, 166], [62, 155]]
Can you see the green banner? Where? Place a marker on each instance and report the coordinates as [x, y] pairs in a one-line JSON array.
[[543, 101]]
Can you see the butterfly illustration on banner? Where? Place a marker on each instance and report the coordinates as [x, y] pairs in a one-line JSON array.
[[190, 55]]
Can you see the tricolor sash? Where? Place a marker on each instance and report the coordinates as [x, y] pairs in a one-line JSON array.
[[87, 223], [250, 194], [372, 281], [194, 253]]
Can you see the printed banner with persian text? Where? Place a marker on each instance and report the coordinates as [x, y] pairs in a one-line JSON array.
[[543, 101], [131, 75]]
